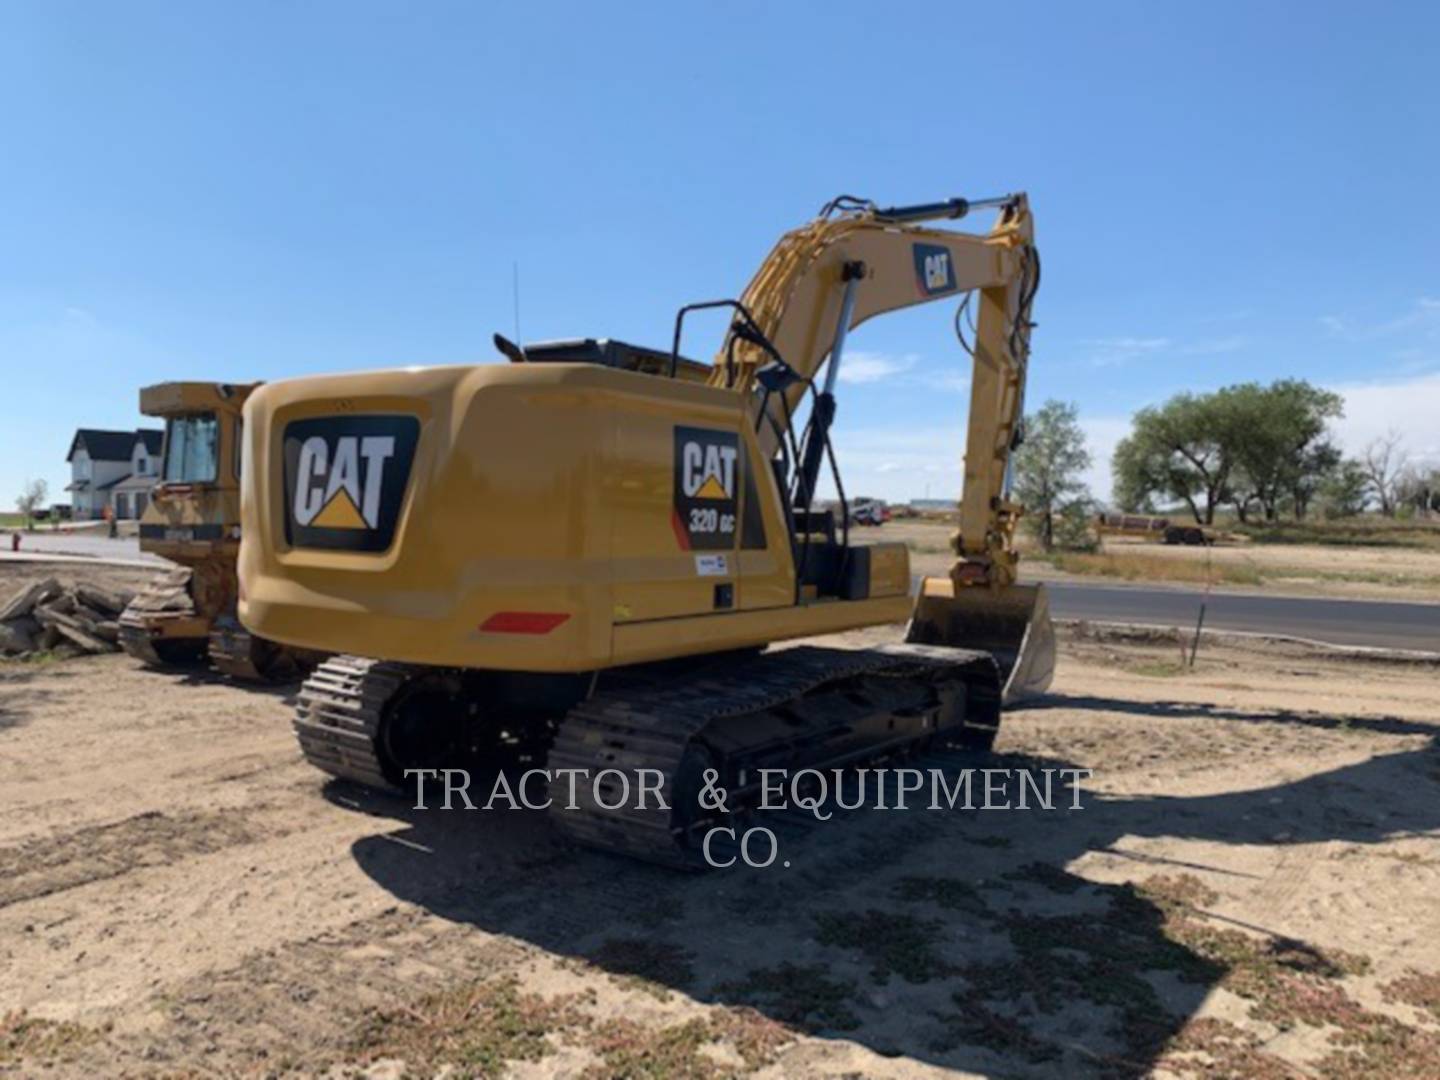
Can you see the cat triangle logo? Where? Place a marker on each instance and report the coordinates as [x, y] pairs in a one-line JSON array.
[[345, 479], [339, 513], [712, 489]]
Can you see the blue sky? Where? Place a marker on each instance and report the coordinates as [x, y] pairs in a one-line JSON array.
[[241, 191]]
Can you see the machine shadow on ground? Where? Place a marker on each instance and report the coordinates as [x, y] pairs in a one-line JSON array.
[[951, 937], [19, 701]]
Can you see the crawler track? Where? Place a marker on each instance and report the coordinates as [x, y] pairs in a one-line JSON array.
[[166, 596], [795, 708], [238, 653], [338, 717]]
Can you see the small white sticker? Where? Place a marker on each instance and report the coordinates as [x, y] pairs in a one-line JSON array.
[[712, 565]]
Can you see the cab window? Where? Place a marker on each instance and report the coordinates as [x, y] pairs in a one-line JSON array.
[[191, 448]]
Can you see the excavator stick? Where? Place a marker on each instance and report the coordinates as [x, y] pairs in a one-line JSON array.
[[1011, 623]]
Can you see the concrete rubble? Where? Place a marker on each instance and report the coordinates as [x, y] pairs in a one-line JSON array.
[[48, 617]]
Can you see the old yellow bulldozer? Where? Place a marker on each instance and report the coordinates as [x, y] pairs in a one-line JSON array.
[[193, 519], [586, 551]]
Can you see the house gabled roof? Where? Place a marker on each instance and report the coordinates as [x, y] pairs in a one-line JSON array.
[[104, 445]]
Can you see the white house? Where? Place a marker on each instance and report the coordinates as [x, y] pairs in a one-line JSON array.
[[113, 468]]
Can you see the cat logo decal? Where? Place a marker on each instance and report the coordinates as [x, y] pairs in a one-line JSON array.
[[345, 477], [934, 270], [707, 466]]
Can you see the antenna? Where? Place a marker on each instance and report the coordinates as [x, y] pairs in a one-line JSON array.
[[515, 288]]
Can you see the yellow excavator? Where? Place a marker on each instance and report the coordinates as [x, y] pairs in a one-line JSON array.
[[193, 519], [585, 552]]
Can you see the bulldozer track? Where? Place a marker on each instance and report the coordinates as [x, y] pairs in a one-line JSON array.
[[166, 596], [135, 641], [232, 651], [241, 655]]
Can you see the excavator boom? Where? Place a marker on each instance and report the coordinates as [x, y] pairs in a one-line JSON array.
[[857, 261]]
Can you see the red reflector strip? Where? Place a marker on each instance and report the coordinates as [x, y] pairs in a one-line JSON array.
[[523, 622]]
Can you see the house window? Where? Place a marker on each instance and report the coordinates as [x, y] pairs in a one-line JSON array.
[[191, 446]]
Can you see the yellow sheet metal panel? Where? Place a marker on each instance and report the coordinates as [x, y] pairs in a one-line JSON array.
[[535, 517], [168, 399], [531, 490], [889, 570], [640, 642]]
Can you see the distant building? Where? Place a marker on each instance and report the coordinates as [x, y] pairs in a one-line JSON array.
[[114, 469]]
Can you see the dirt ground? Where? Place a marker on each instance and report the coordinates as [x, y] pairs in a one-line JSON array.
[[1249, 890], [1378, 573]]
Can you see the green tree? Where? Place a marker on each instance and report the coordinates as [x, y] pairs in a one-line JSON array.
[[1047, 468], [1317, 464], [1253, 446], [1178, 451], [1278, 443], [1345, 491]]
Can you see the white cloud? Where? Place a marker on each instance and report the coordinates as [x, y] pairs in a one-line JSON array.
[[872, 367], [1410, 406], [952, 382], [1116, 351], [1112, 352], [903, 463], [1215, 346], [1102, 433], [1135, 344], [1423, 315]]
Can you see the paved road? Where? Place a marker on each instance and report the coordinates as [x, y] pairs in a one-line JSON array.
[[81, 543], [1382, 624]]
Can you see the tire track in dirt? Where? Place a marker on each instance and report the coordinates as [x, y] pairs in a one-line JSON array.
[[44, 867]]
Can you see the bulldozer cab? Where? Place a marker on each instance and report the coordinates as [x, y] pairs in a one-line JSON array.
[[195, 505], [201, 424]]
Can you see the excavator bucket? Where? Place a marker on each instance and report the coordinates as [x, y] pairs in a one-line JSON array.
[[1012, 624]]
